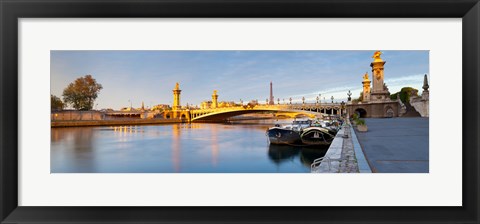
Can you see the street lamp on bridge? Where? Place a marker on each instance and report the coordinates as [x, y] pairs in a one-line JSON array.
[[349, 94], [290, 100], [332, 99], [303, 100]]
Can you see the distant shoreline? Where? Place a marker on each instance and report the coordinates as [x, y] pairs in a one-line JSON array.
[[61, 124], [87, 123]]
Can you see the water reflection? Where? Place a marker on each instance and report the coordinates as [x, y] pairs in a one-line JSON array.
[[282, 153], [79, 150], [214, 144], [176, 148], [286, 153], [309, 154]]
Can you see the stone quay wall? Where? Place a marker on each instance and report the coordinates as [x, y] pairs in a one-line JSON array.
[[70, 115]]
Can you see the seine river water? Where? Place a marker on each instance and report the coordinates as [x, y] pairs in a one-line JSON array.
[[240, 147]]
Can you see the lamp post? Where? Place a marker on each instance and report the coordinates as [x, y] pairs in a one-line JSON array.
[[332, 99], [320, 103], [290, 100], [303, 100], [278, 101], [342, 109], [349, 94]]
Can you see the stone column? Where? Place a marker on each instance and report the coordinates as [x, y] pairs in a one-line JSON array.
[[379, 90], [366, 88], [214, 99], [377, 75], [176, 97], [425, 93]]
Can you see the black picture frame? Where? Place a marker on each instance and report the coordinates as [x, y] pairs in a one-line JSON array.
[[11, 11]]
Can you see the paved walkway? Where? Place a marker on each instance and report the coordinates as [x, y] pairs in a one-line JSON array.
[[396, 145]]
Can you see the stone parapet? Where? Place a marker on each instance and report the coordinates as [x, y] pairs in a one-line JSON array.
[[421, 105]]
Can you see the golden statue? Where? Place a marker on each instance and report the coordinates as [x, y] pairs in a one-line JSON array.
[[365, 77], [177, 86], [376, 56], [214, 92]]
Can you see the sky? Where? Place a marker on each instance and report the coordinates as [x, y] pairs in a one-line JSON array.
[[149, 76]]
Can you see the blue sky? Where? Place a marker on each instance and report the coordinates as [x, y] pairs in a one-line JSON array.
[[150, 76]]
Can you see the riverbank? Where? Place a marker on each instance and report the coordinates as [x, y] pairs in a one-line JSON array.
[[60, 124], [86, 123], [344, 155]]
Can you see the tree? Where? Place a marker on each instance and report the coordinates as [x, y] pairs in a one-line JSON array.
[[56, 103], [405, 94], [82, 92], [360, 99]]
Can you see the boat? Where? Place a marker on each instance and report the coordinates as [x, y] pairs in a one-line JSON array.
[[320, 132], [304, 132], [283, 135], [288, 134], [331, 125], [317, 136]]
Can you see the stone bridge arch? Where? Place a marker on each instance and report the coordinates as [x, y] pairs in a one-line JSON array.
[[361, 112], [216, 116], [374, 109], [183, 115]]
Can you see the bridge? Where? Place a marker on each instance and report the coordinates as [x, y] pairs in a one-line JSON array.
[[219, 114], [223, 113]]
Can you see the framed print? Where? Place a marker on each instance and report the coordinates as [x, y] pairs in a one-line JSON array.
[[250, 112]]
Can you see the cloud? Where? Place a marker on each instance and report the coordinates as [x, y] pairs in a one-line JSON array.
[[150, 75]]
